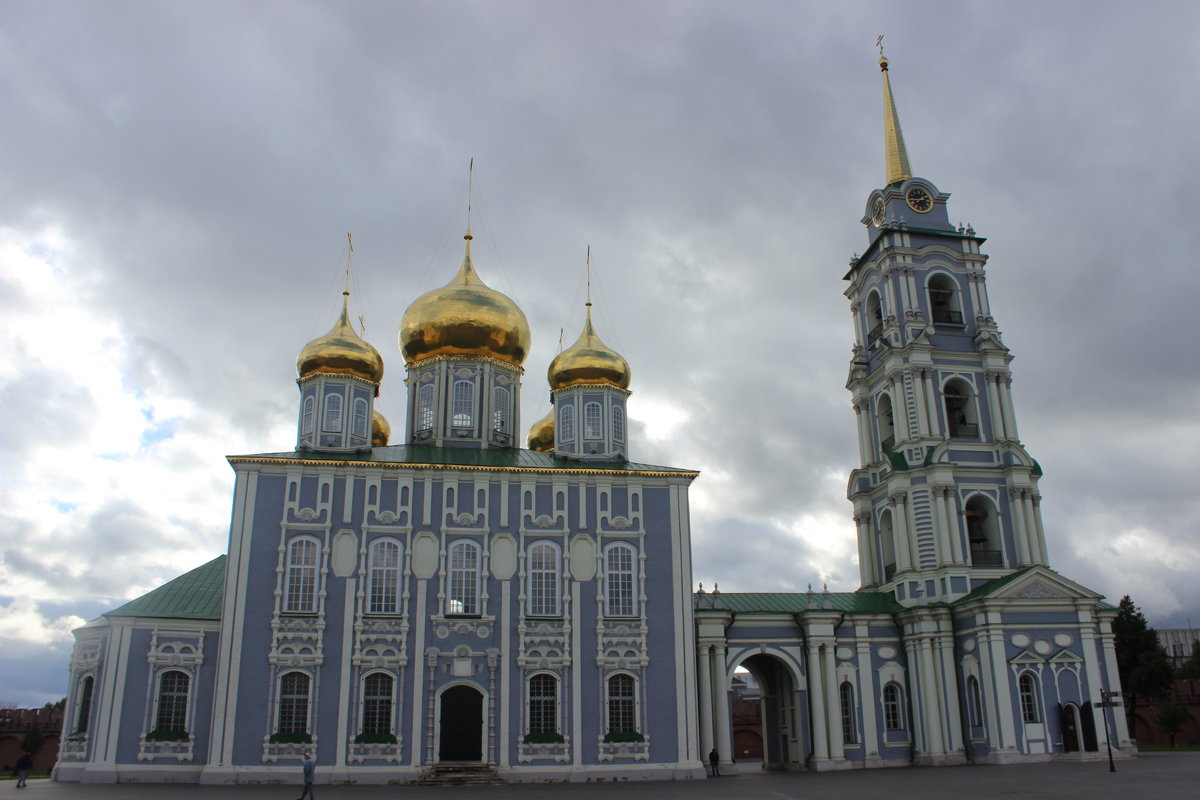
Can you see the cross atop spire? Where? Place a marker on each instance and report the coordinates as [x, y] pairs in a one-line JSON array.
[[898, 168]]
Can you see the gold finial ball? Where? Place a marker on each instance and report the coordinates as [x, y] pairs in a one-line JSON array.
[[589, 360], [341, 352], [381, 430], [541, 434], [464, 317], [883, 63]]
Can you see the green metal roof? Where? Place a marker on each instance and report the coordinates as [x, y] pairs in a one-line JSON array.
[[991, 586], [506, 458], [793, 602], [193, 595]]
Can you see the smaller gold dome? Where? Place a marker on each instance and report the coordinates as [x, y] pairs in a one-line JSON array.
[[464, 317], [541, 434], [341, 352], [381, 430], [589, 360]]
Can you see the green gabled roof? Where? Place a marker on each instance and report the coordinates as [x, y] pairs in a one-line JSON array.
[[193, 595], [991, 587], [793, 602], [505, 458]]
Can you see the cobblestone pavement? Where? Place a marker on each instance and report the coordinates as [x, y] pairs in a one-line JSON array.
[[1162, 776]]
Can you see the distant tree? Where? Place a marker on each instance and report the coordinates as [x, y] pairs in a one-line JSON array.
[[1172, 718], [1191, 667], [33, 739], [61, 704], [1143, 665]]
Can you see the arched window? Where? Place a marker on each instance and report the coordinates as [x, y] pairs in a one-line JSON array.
[[846, 696], [566, 423], [464, 404], [377, 703], [943, 301], [885, 418], [543, 703], [84, 704], [384, 594], [172, 701], [333, 413], [983, 532], [543, 580], [893, 709], [622, 704], [360, 418], [1030, 708], [887, 546], [619, 598], [425, 407], [500, 409], [618, 424], [306, 416], [293, 703], [961, 421], [301, 594], [464, 578], [593, 426], [974, 702], [874, 319]]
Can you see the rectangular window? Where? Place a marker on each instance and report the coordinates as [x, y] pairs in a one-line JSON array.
[[172, 701], [301, 596], [377, 703], [333, 413], [846, 695], [293, 703], [622, 705], [593, 427], [385, 578], [464, 579], [543, 704], [618, 577], [464, 404], [543, 580]]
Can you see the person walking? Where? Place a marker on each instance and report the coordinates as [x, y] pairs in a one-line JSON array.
[[714, 758], [24, 764], [310, 771]]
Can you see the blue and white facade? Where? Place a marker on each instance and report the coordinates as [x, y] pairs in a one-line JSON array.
[[961, 645]]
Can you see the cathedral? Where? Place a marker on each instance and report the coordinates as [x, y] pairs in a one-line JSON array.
[[460, 604]]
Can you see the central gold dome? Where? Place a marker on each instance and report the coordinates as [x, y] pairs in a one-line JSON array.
[[464, 317], [341, 352], [589, 360]]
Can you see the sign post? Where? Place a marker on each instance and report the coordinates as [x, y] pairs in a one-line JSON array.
[[1108, 700]]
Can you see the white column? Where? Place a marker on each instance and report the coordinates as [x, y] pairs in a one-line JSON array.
[[931, 705], [930, 400], [1010, 416], [866, 552], [995, 410], [867, 693], [1016, 514], [816, 703], [900, 408], [919, 400], [953, 528], [944, 656], [865, 446], [944, 539], [721, 700], [903, 547], [1002, 712], [833, 717], [1039, 532], [705, 689], [1120, 725]]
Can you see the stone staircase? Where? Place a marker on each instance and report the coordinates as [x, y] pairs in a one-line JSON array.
[[460, 774]]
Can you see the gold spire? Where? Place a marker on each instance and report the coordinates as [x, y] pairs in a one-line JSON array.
[[341, 350], [897, 156], [589, 360]]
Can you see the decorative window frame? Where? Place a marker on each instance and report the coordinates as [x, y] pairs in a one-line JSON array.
[[331, 411], [501, 409], [1029, 698], [565, 424], [968, 382], [308, 415], [848, 712], [462, 403], [425, 418], [360, 425], [372, 576], [532, 572], [956, 301], [475, 580], [593, 420], [618, 424], [637, 744], [288, 605], [610, 599], [892, 704]]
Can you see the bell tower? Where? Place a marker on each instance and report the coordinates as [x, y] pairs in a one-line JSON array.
[[945, 497]]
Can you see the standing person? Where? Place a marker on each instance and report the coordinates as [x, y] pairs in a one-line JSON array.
[[715, 759], [24, 764], [310, 771]]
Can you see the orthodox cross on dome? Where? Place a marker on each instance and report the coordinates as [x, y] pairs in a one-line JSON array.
[[879, 44]]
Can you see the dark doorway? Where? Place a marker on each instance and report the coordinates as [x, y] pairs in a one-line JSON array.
[[1070, 728], [461, 725]]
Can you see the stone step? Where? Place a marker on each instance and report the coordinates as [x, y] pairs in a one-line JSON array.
[[461, 774]]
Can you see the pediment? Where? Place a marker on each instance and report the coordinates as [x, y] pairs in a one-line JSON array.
[[1040, 583], [1026, 657], [1065, 657]]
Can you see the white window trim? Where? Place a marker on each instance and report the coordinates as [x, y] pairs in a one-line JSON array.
[[371, 576], [530, 571]]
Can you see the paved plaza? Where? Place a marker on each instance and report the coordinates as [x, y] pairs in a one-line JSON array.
[[1158, 775]]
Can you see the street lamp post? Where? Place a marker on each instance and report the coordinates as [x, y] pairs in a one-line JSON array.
[[1108, 700]]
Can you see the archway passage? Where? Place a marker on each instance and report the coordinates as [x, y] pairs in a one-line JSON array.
[[781, 739], [461, 724]]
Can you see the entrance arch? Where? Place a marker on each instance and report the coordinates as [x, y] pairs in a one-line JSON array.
[[784, 718], [460, 724], [1070, 727]]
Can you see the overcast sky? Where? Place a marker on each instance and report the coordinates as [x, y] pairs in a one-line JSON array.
[[178, 179]]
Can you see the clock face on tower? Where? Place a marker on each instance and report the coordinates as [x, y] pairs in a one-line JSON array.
[[878, 209], [918, 199]]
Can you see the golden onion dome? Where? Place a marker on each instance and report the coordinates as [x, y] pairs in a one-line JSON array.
[[541, 434], [589, 360], [341, 352], [381, 430], [465, 317]]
